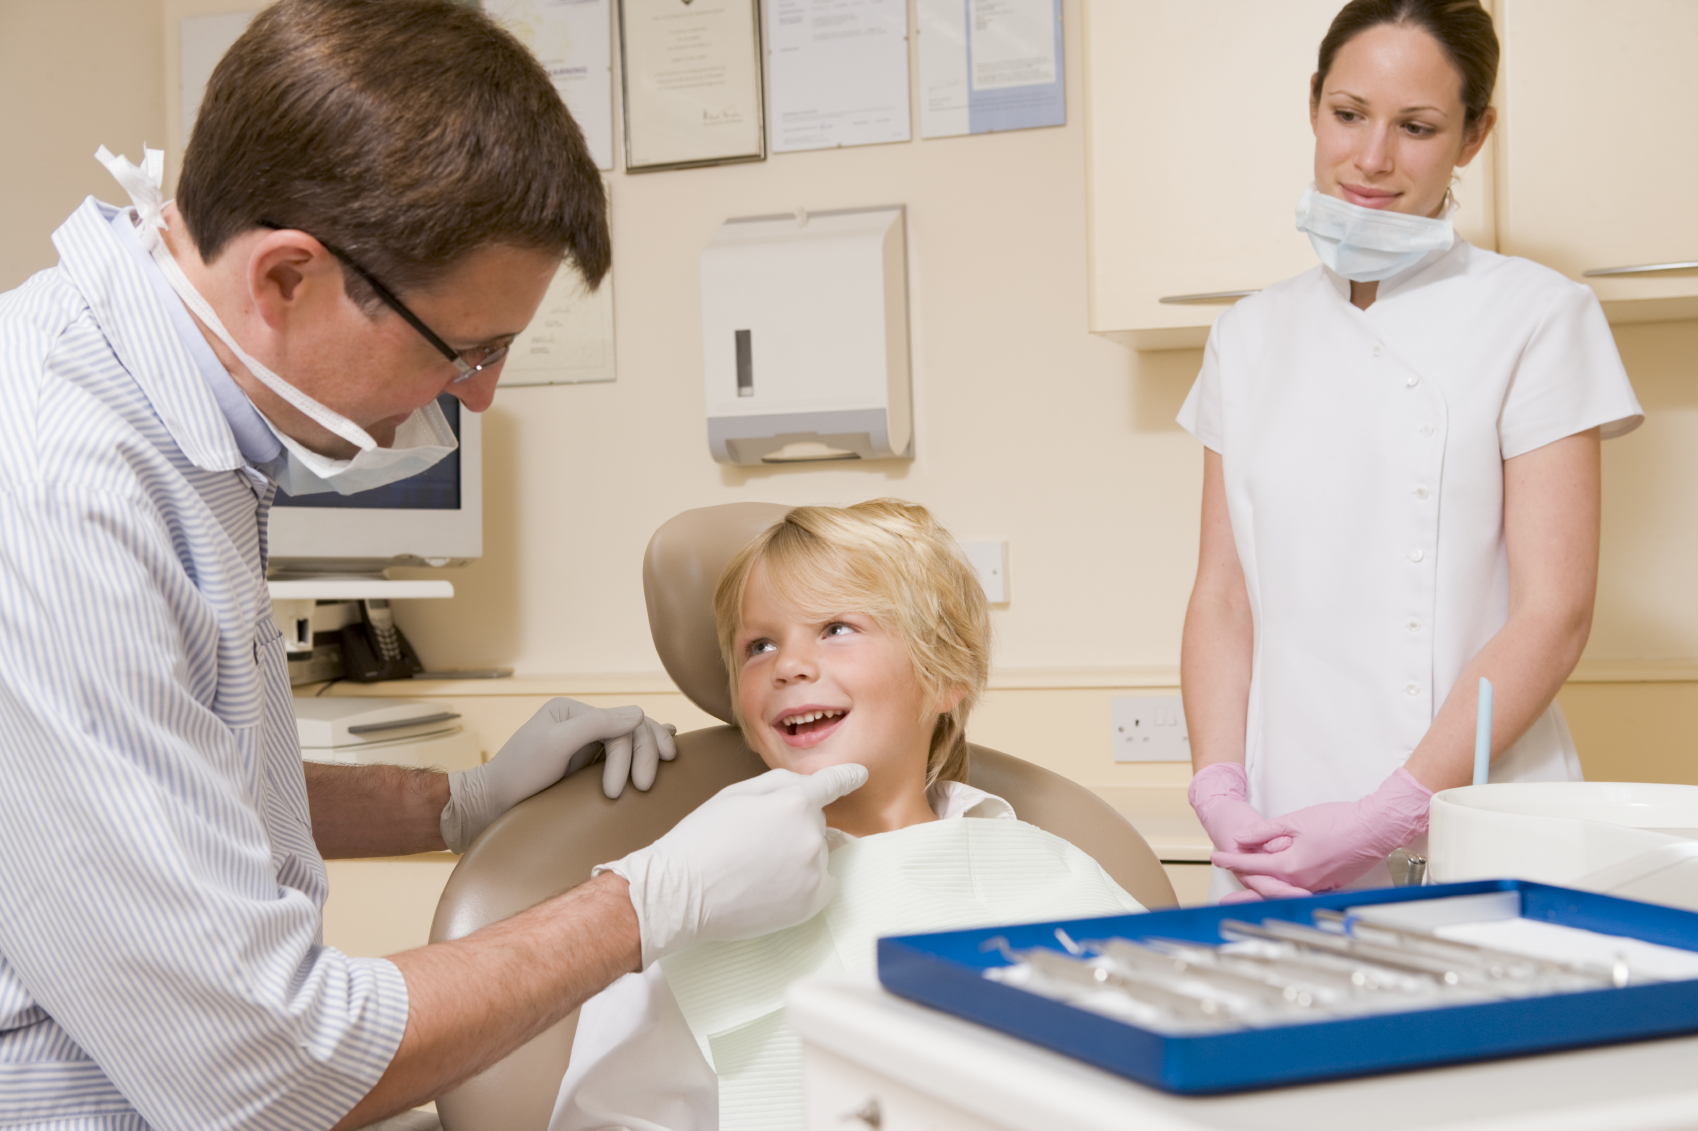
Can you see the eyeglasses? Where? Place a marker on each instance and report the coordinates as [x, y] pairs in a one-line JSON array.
[[469, 363]]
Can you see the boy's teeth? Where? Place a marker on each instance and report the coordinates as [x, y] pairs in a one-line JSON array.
[[808, 717]]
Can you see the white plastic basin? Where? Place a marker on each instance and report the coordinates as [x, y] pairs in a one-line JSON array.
[[1553, 832]]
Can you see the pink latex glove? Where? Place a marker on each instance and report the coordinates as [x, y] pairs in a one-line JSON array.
[[1332, 844], [1220, 793], [1245, 896], [1263, 887]]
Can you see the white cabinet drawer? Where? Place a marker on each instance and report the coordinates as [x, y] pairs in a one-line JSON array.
[[844, 1096]]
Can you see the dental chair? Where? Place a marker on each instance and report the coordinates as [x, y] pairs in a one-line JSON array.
[[549, 843]]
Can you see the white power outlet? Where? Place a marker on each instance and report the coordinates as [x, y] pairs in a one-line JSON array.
[[1150, 728], [990, 561]]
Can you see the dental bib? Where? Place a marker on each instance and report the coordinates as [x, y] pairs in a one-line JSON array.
[[942, 875], [1368, 245], [422, 440]]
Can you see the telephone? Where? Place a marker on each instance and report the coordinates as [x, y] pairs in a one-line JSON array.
[[373, 648]]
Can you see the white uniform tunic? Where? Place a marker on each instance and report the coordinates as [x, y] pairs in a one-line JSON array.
[[1363, 460]]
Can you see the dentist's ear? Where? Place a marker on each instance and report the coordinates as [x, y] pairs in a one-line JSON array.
[[288, 272]]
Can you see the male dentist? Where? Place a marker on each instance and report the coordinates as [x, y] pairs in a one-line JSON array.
[[374, 199]]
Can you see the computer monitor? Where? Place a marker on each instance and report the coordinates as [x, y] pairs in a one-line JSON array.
[[434, 518]]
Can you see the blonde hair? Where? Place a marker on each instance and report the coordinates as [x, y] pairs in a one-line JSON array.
[[893, 562]]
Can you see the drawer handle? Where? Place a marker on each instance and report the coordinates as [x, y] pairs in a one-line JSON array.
[[1642, 269], [1212, 296], [868, 1114], [397, 724]]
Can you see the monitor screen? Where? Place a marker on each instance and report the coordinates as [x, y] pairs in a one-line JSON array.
[[433, 518], [434, 489]]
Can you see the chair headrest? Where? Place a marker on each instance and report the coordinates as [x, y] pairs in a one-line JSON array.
[[681, 570]]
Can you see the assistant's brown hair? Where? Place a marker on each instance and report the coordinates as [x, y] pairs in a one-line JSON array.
[[897, 564], [407, 133], [1463, 28]]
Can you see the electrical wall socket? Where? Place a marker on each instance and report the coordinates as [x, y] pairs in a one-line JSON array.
[[1150, 728], [990, 561]]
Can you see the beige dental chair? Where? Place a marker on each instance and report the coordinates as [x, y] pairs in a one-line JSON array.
[[550, 842]]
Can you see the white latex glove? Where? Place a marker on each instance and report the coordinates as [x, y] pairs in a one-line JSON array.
[[751, 860], [563, 737]]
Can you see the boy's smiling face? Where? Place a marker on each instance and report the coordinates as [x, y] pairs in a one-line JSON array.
[[817, 691]]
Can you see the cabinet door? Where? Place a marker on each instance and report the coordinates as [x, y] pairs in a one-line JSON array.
[[1197, 148], [1599, 145]]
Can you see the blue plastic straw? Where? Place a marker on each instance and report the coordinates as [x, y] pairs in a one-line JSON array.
[[1483, 733]]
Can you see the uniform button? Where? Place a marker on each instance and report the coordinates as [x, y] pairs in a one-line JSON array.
[[1412, 690], [1426, 429], [1420, 492], [1378, 349], [1416, 555], [1414, 626], [1413, 380]]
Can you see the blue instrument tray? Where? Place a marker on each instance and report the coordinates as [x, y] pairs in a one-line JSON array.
[[946, 971]]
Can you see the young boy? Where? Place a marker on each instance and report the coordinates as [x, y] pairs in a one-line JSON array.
[[855, 634]]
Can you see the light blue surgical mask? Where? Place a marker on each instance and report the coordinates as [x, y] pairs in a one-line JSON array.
[[422, 440], [1366, 245]]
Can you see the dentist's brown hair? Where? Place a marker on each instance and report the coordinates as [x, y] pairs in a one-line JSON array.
[[408, 133]]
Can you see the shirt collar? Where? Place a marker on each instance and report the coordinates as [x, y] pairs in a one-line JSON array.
[[139, 333], [1400, 281], [958, 799], [948, 799], [258, 445]]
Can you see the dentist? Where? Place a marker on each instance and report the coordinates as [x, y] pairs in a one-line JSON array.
[[374, 199], [1400, 485]]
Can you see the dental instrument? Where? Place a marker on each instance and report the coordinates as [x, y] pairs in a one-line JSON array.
[[1280, 972], [1503, 964], [1483, 733]]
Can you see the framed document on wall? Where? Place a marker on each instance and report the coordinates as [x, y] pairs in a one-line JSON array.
[[692, 76]]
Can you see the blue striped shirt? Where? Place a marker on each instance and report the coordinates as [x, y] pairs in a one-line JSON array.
[[161, 954]]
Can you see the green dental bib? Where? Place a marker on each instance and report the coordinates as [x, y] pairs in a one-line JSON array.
[[942, 875]]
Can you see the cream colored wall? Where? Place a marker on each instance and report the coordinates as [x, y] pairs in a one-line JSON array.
[[1030, 429], [1648, 570], [74, 74]]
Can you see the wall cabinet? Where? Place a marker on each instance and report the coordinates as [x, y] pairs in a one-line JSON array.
[[1598, 146], [1198, 144], [1197, 148]]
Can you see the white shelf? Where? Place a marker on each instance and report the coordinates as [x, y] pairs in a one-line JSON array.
[[357, 589]]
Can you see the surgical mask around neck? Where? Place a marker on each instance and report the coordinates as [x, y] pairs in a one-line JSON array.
[[421, 441], [1366, 245]]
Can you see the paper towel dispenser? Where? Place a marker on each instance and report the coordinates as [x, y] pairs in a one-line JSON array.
[[805, 337]]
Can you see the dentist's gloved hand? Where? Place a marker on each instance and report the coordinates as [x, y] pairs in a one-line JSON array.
[[1220, 793], [1332, 844], [751, 860], [563, 737]]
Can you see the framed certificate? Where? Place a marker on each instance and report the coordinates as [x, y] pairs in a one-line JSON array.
[[692, 77], [573, 39], [570, 341]]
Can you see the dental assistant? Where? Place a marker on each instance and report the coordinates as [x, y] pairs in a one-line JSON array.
[[1400, 486], [344, 249]]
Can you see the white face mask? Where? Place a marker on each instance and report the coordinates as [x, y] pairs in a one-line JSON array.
[[1366, 245], [423, 440]]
